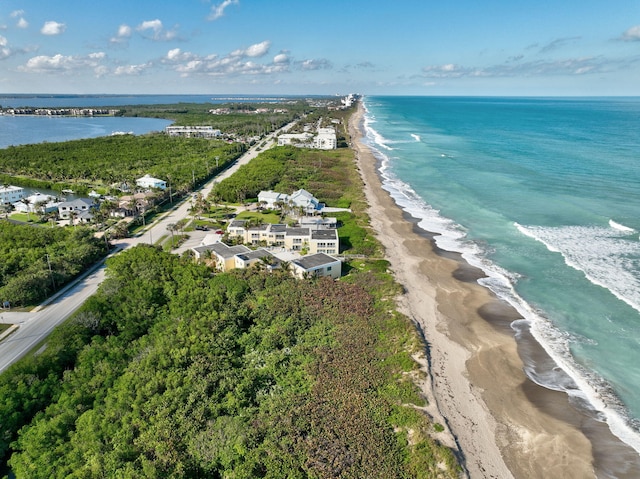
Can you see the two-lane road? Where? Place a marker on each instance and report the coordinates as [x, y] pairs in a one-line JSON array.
[[35, 326]]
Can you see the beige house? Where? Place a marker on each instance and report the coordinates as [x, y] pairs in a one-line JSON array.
[[319, 264], [312, 240]]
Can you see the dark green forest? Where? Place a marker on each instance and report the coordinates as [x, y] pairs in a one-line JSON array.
[[170, 371], [36, 261], [100, 162]]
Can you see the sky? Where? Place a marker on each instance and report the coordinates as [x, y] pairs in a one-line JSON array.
[[373, 47]]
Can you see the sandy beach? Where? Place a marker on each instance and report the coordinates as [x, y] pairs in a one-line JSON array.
[[503, 424]]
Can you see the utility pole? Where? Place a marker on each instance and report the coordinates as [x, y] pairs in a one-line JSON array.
[[53, 281]]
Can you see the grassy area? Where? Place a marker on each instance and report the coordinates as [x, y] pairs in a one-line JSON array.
[[263, 217], [4, 327]]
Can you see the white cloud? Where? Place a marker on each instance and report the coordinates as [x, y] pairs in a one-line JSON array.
[[319, 64], [281, 58], [53, 28], [5, 51], [64, 63], [568, 66], [632, 34], [123, 35], [22, 23], [131, 69], [16, 13], [238, 62], [159, 32], [217, 11]]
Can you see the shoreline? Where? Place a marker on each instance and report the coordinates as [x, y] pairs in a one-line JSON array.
[[518, 429]]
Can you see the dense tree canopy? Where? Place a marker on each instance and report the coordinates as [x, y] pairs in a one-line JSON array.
[[116, 159], [246, 374], [35, 261]]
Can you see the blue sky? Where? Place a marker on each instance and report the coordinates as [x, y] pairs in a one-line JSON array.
[[410, 47]]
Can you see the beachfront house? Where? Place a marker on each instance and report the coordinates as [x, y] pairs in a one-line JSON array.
[[222, 254], [325, 139], [312, 240], [10, 194], [305, 201], [148, 181], [272, 199], [319, 264]]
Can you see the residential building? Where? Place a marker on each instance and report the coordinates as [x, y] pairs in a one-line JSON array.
[[272, 198], [147, 181], [295, 139], [324, 241], [325, 139], [319, 264], [81, 207], [223, 254], [305, 200], [36, 203], [259, 257], [193, 131], [10, 194]]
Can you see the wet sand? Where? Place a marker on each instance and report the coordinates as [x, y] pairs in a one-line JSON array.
[[501, 423]]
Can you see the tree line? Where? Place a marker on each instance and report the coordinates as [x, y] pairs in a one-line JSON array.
[[169, 371], [37, 261]]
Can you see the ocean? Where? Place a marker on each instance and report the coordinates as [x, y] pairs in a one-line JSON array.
[[543, 194]]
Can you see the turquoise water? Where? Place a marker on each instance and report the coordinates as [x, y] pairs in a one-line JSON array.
[[544, 195]]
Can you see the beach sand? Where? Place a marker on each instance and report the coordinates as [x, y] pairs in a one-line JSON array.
[[501, 423]]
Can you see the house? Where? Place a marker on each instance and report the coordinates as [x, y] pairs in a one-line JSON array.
[[138, 202], [305, 200], [36, 203], [319, 264], [297, 239], [147, 181], [272, 199], [326, 139], [324, 241], [318, 222], [257, 257], [223, 254], [81, 207], [10, 194]]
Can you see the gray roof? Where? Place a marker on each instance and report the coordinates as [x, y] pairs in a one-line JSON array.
[[297, 231], [324, 234], [237, 223], [278, 228], [222, 249], [314, 260], [257, 254]]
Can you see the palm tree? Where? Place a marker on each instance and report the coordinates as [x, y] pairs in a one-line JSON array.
[[171, 227], [27, 202]]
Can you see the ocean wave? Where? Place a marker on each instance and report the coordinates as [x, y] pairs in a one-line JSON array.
[[620, 227], [606, 256], [415, 137], [610, 247]]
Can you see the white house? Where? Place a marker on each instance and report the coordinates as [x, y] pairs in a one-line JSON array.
[[10, 194], [304, 199], [81, 207], [147, 181], [272, 198], [319, 264], [36, 203], [326, 139]]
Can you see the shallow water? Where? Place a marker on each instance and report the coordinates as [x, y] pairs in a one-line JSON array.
[[544, 196]]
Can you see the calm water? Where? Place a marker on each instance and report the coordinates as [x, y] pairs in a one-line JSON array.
[[544, 195]]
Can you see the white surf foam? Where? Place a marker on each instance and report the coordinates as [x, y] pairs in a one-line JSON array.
[[620, 227], [415, 137], [592, 391]]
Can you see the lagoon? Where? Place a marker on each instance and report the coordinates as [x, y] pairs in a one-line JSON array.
[[22, 130]]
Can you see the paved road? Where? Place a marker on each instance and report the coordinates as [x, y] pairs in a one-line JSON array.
[[34, 326]]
